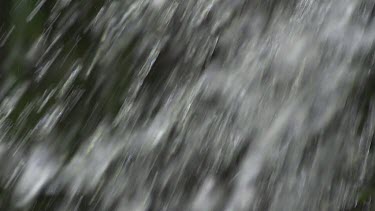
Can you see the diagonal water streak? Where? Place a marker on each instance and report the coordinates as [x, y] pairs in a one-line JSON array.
[[189, 105]]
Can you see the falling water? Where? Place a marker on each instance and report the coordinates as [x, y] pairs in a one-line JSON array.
[[199, 105]]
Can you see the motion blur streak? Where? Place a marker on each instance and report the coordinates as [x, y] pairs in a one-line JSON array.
[[202, 105]]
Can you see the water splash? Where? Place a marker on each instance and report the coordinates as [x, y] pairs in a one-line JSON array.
[[186, 105]]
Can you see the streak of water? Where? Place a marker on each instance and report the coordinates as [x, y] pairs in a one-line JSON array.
[[187, 105]]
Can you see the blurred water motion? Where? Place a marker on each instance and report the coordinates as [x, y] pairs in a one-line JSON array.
[[200, 105]]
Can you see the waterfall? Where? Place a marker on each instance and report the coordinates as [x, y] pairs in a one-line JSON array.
[[201, 105]]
